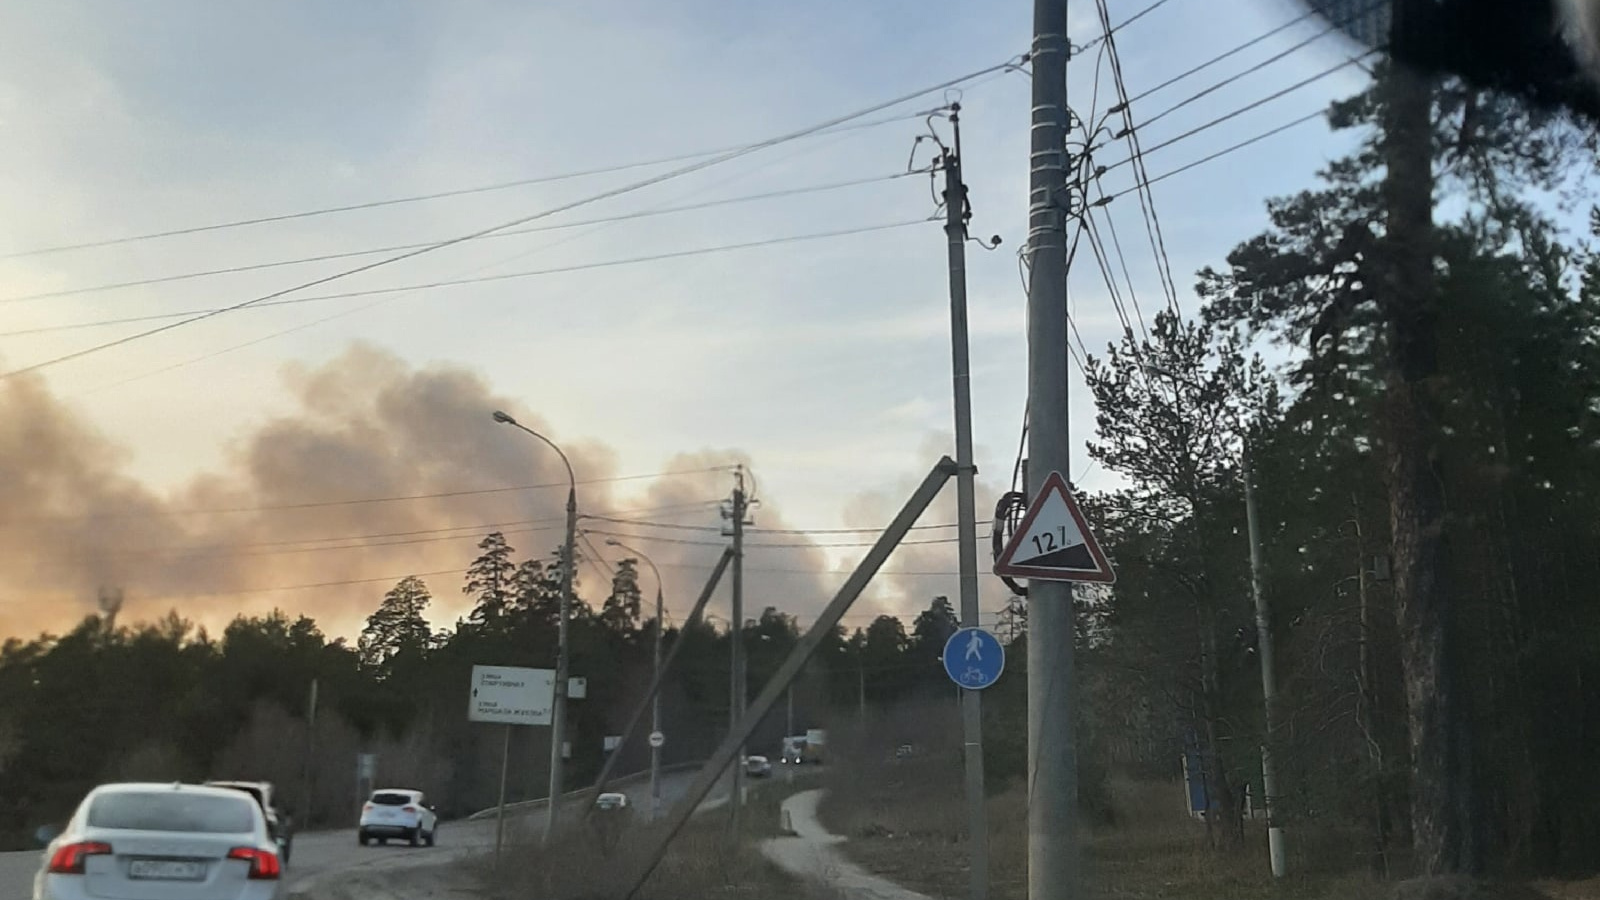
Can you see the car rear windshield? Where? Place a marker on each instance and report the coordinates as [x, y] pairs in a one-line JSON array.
[[172, 811], [392, 799]]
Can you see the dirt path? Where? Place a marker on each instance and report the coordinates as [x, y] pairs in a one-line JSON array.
[[813, 854]]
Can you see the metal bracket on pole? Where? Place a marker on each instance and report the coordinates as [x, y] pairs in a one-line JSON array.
[[606, 771], [711, 772]]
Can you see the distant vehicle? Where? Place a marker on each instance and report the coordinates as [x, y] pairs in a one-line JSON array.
[[279, 824], [757, 766], [159, 841], [611, 801], [794, 750], [904, 751], [816, 742], [398, 813]]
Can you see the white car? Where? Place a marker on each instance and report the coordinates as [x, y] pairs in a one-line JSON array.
[[611, 802], [398, 813], [161, 842]]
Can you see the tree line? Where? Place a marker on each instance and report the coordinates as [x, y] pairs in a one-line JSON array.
[[166, 700], [1427, 470]]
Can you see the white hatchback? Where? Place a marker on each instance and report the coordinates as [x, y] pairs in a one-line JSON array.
[[398, 813], [161, 842]]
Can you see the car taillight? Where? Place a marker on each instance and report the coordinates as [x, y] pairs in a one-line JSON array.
[[409, 809], [69, 858], [264, 866], [366, 807]]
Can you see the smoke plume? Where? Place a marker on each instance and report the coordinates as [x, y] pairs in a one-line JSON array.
[[382, 470]]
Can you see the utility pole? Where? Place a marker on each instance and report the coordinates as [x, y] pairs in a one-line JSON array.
[[955, 229], [736, 698], [1052, 754], [1269, 687], [558, 717], [311, 756]]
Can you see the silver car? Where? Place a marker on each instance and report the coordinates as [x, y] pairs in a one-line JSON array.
[[161, 842]]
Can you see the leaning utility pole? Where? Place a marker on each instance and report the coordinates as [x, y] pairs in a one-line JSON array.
[[1052, 755], [955, 229], [1269, 685], [736, 693]]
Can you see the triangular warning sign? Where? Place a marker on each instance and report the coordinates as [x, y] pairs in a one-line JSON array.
[[1053, 542]]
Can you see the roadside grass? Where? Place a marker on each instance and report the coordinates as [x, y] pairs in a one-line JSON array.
[[599, 859], [906, 821]]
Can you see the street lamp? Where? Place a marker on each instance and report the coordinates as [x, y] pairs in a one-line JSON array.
[[558, 717], [655, 702]]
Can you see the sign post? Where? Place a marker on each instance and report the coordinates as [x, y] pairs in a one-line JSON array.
[[510, 696]]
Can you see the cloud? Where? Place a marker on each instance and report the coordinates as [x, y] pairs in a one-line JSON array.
[[299, 503]]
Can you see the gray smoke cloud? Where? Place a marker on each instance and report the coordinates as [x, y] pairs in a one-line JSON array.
[[364, 425]]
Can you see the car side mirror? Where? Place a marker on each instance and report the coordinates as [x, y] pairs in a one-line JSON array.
[[44, 834]]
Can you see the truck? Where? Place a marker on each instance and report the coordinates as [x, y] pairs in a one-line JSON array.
[[815, 746]]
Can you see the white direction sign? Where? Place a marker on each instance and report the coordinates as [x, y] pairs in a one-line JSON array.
[[1054, 542], [511, 695]]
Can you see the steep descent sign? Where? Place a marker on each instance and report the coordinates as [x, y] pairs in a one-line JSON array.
[[1054, 542]]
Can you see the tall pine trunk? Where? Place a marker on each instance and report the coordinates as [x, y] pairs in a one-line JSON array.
[[1439, 790]]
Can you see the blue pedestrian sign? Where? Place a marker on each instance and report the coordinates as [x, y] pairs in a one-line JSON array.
[[974, 659]]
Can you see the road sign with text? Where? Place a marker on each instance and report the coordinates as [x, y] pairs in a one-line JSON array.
[[511, 696], [1053, 542]]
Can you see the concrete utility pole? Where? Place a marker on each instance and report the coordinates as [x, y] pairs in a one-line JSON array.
[[1052, 754], [736, 698], [655, 700], [955, 229], [558, 716], [1269, 689], [311, 756]]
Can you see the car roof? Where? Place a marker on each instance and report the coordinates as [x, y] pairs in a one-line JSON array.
[[612, 795], [151, 787], [257, 785], [397, 791]]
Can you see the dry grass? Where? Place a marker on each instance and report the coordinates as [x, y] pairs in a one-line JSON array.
[[704, 861], [907, 823]]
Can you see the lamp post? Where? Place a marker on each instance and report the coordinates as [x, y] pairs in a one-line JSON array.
[[558, 716], [655, 702]]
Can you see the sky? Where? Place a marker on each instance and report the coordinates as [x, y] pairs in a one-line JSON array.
[[822, 364]]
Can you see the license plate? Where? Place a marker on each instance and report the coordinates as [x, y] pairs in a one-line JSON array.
[[167, 870]]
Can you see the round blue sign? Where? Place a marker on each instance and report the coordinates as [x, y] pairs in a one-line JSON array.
[[974, 658]]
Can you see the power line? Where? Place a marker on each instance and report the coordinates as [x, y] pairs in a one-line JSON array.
[[440, 195], [356, 501], [1318, 114], [1226, 55], [884, 573], [395, 248], [1152, 221], [593, 198], [1242, 110], [1217, 86], [483, 279], [390, 298], [1126, 22], [794, 545], [798, 531]]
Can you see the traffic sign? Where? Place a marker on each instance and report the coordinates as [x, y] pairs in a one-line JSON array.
[[657, 739], [1054, 542], [511, 695], [974, 658]]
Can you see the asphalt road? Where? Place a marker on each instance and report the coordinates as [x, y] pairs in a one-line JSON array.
[[330, 852]]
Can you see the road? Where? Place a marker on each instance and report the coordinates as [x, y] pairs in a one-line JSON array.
[[329, 852]]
